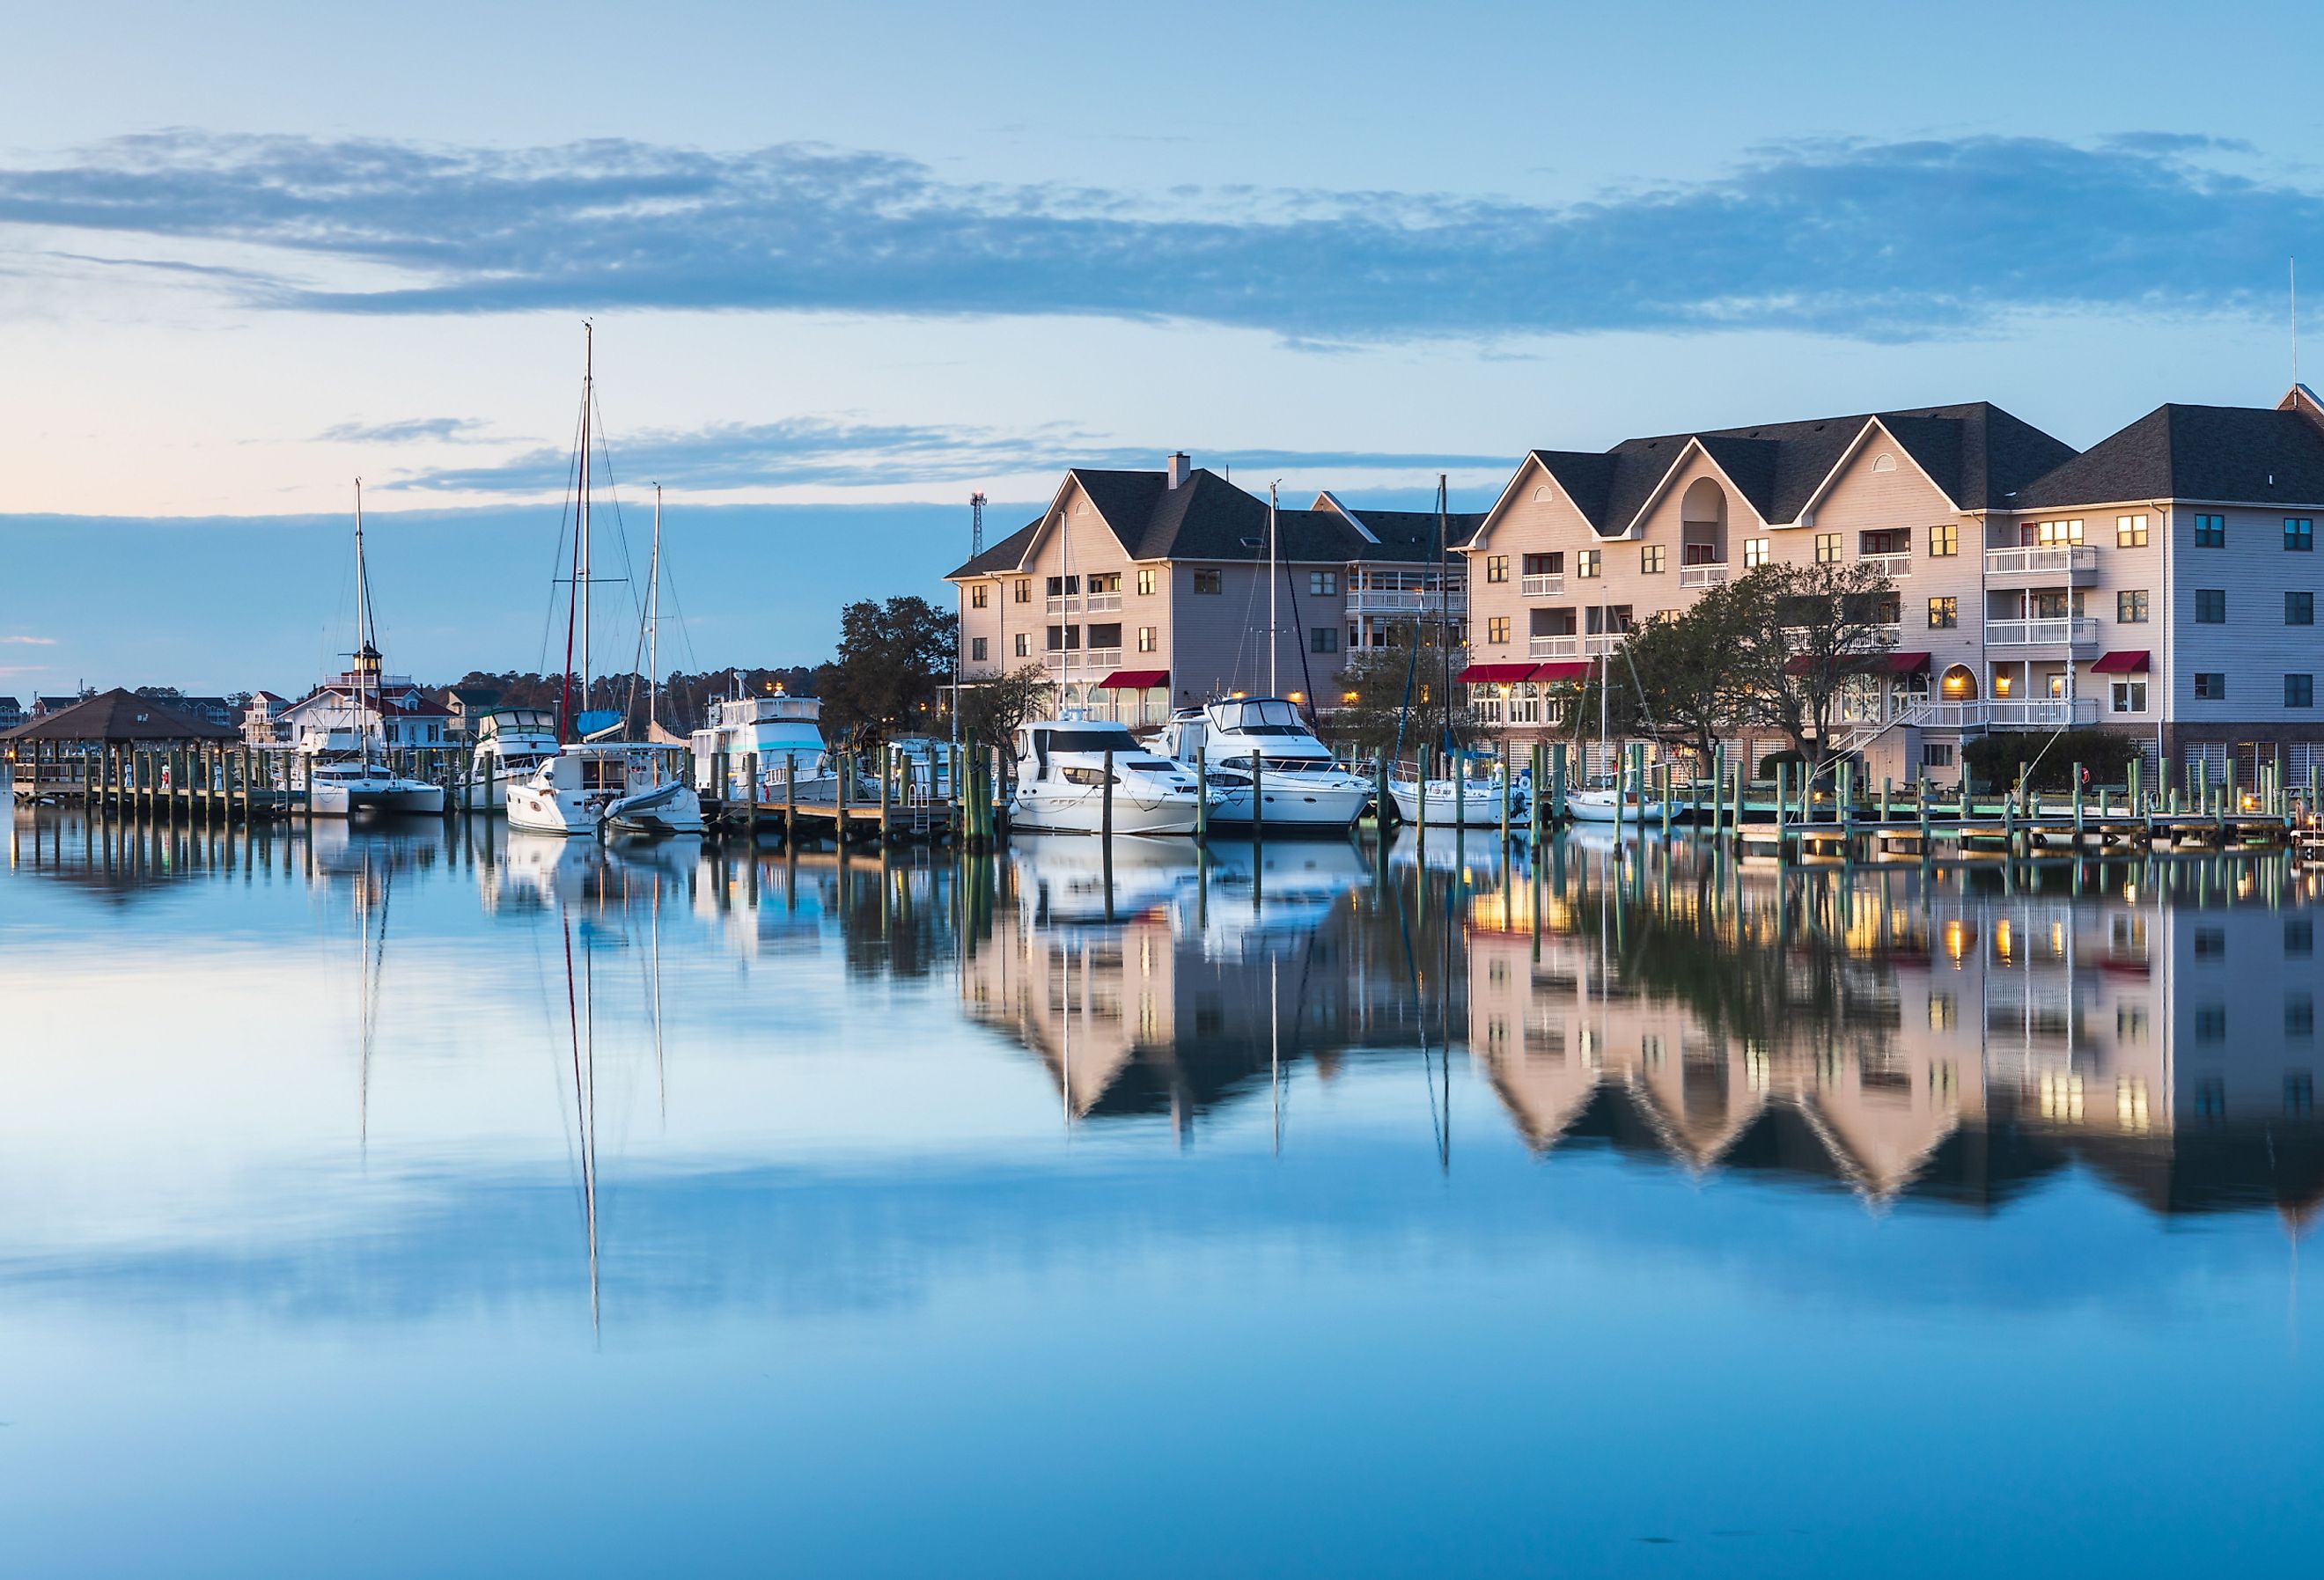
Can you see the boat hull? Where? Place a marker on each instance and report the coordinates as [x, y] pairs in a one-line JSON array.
[[1479, 807], [1046, 811], [332, 801], [1290, 804], [1603, 807]]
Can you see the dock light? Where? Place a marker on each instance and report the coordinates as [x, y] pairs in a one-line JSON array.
[[1296, 696], [1236, 696]]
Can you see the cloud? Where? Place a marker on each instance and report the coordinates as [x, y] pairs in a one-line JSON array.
[[411, 429], [1869, 240], [29, 640], [814, 450]]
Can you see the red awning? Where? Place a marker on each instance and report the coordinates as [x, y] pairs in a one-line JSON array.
[[1905, 663], [1888, 663], [1572, 670], [2121, 663], [1494, 674], [1134, 679]]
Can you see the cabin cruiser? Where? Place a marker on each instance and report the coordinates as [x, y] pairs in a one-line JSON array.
[[1303, 785], [1469, 800], [605, 786], [1061, 781], [355, 787], [787, 735], [512, 744]]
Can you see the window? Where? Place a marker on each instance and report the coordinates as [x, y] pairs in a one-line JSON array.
[[1944, 614], [1024, 593], [1586, 562], [1024, 644], [1146, 582], [2300, 609], [1064, 586], [2130, 532], [2299, 1093], [1323, 584], [2210, 686], [1888, 540], [2130, 697], [1110, 582], [1324, 639], [2057, 534], [2300, 1014], [2210, 606], [2299, 937], [2130, 607], [1497, 629], [976, 596], [1210, 581], [976, 649], [1105, 636], [1944, 539], [1754, 551], [2211, 1097], [2210, 943], [1826, 548], [2300, 534], [1064, 639], [1147, 639], [1545, 563], [1936, 753], [1497, 567], [1650, 559], [2210, 531], [2212, 1023], [2300, 691]]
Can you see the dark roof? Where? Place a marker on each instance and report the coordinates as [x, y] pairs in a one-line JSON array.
[[1977, 453], [119, 716], [1208, 518], [1411, 535], [2241, 453]]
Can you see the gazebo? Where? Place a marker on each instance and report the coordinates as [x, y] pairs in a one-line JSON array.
[[55, 755]]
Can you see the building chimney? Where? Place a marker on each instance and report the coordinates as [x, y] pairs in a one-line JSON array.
[[1179, 468]]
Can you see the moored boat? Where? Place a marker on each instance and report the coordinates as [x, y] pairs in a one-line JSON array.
[[1062, 781]]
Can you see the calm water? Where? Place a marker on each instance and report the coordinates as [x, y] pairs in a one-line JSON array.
[[416, 1205]]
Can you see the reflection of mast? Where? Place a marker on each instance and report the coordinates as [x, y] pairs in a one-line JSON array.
[[581, 1025], [371, 958]]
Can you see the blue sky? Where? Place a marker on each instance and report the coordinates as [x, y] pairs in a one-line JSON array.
[[849, 263]]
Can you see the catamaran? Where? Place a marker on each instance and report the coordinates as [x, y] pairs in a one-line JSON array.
[[598, 786], [348, 783]]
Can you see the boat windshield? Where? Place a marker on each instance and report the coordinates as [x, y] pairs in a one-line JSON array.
[[1088, 738], [1264, 716]]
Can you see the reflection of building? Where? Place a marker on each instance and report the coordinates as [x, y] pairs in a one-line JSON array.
[[1863, 1027]]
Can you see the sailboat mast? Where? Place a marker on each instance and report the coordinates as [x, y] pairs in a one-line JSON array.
[[363, 630], [1274, 637], [1443, 614], [581, 570], [654, 620]]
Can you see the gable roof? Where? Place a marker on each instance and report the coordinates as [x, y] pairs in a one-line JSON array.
[[1975, 453], [119, 715], [2247, 454]]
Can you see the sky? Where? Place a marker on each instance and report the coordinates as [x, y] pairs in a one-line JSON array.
[[847, 264]]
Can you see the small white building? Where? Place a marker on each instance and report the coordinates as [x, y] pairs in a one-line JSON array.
[[389, 709]]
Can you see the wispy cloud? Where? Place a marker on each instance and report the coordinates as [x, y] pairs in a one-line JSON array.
[[816, 451], [29, 640], [1877, 240], [409, 430]]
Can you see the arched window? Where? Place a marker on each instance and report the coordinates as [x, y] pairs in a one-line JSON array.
[[1959, 684], [1702, 523]]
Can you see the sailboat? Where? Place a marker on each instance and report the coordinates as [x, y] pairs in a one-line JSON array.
[[1611, 799], [584, 783], [354, 785], [1467, 800]]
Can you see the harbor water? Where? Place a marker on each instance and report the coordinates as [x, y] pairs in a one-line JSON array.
[[438, 1201]]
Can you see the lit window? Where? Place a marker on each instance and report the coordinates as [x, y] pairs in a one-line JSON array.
[[1146, 582], [1826, 547], [1944, 539], [2130, 607], [1497, 567], [2130, 532], [2210, 531], [1147, 639], [1497, 629], [2058, 534], [1586, 562], [1754, 551], [1944, 614], [1650, 559]]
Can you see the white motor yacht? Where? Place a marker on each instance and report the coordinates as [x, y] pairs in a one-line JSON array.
[[353, 788], [787, 735], [512, 744], [1061, 781], [593, 788], [1303, 787]]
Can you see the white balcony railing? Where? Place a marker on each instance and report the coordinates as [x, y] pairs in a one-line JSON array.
[[1892, 566], [2042, 714], [1553, 647], [1598, 647], [2053, 633], [1702, 575], [1406, 601], [1103, 658], [1102, 603], [1065, 606], [1549, 586], [2048, 559]]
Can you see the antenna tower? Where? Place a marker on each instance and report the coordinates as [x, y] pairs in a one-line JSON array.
[[975, 524]]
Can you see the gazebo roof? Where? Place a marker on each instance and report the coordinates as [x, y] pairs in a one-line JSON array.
[[118, 715]]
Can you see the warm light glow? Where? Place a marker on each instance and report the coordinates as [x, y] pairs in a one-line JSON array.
[[1236, 696], [2002, 940], [1348, 697], [1296, 696], [2001, 684]]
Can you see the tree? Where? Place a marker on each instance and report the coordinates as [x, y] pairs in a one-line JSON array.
[[1676, 679], [1805, 631], [893, 657], [1394, 699], [992, 710]]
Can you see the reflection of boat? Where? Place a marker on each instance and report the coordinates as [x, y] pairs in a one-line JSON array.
[[1064, 880], [1304, 787], [1061, 781]]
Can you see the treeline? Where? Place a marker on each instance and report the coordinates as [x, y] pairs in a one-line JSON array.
[[685, 698]]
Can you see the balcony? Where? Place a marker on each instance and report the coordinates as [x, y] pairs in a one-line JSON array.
[[2045, 714], [1102, 603], [1409, 602], [2052, 632], [1599, 647], [1553, 647], [1711, 575], [1065, 606], [2072, 563], [1085, 663], [1895, 567], [1544, 586]]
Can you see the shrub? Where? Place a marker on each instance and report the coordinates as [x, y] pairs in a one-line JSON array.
[[1995, 759]]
